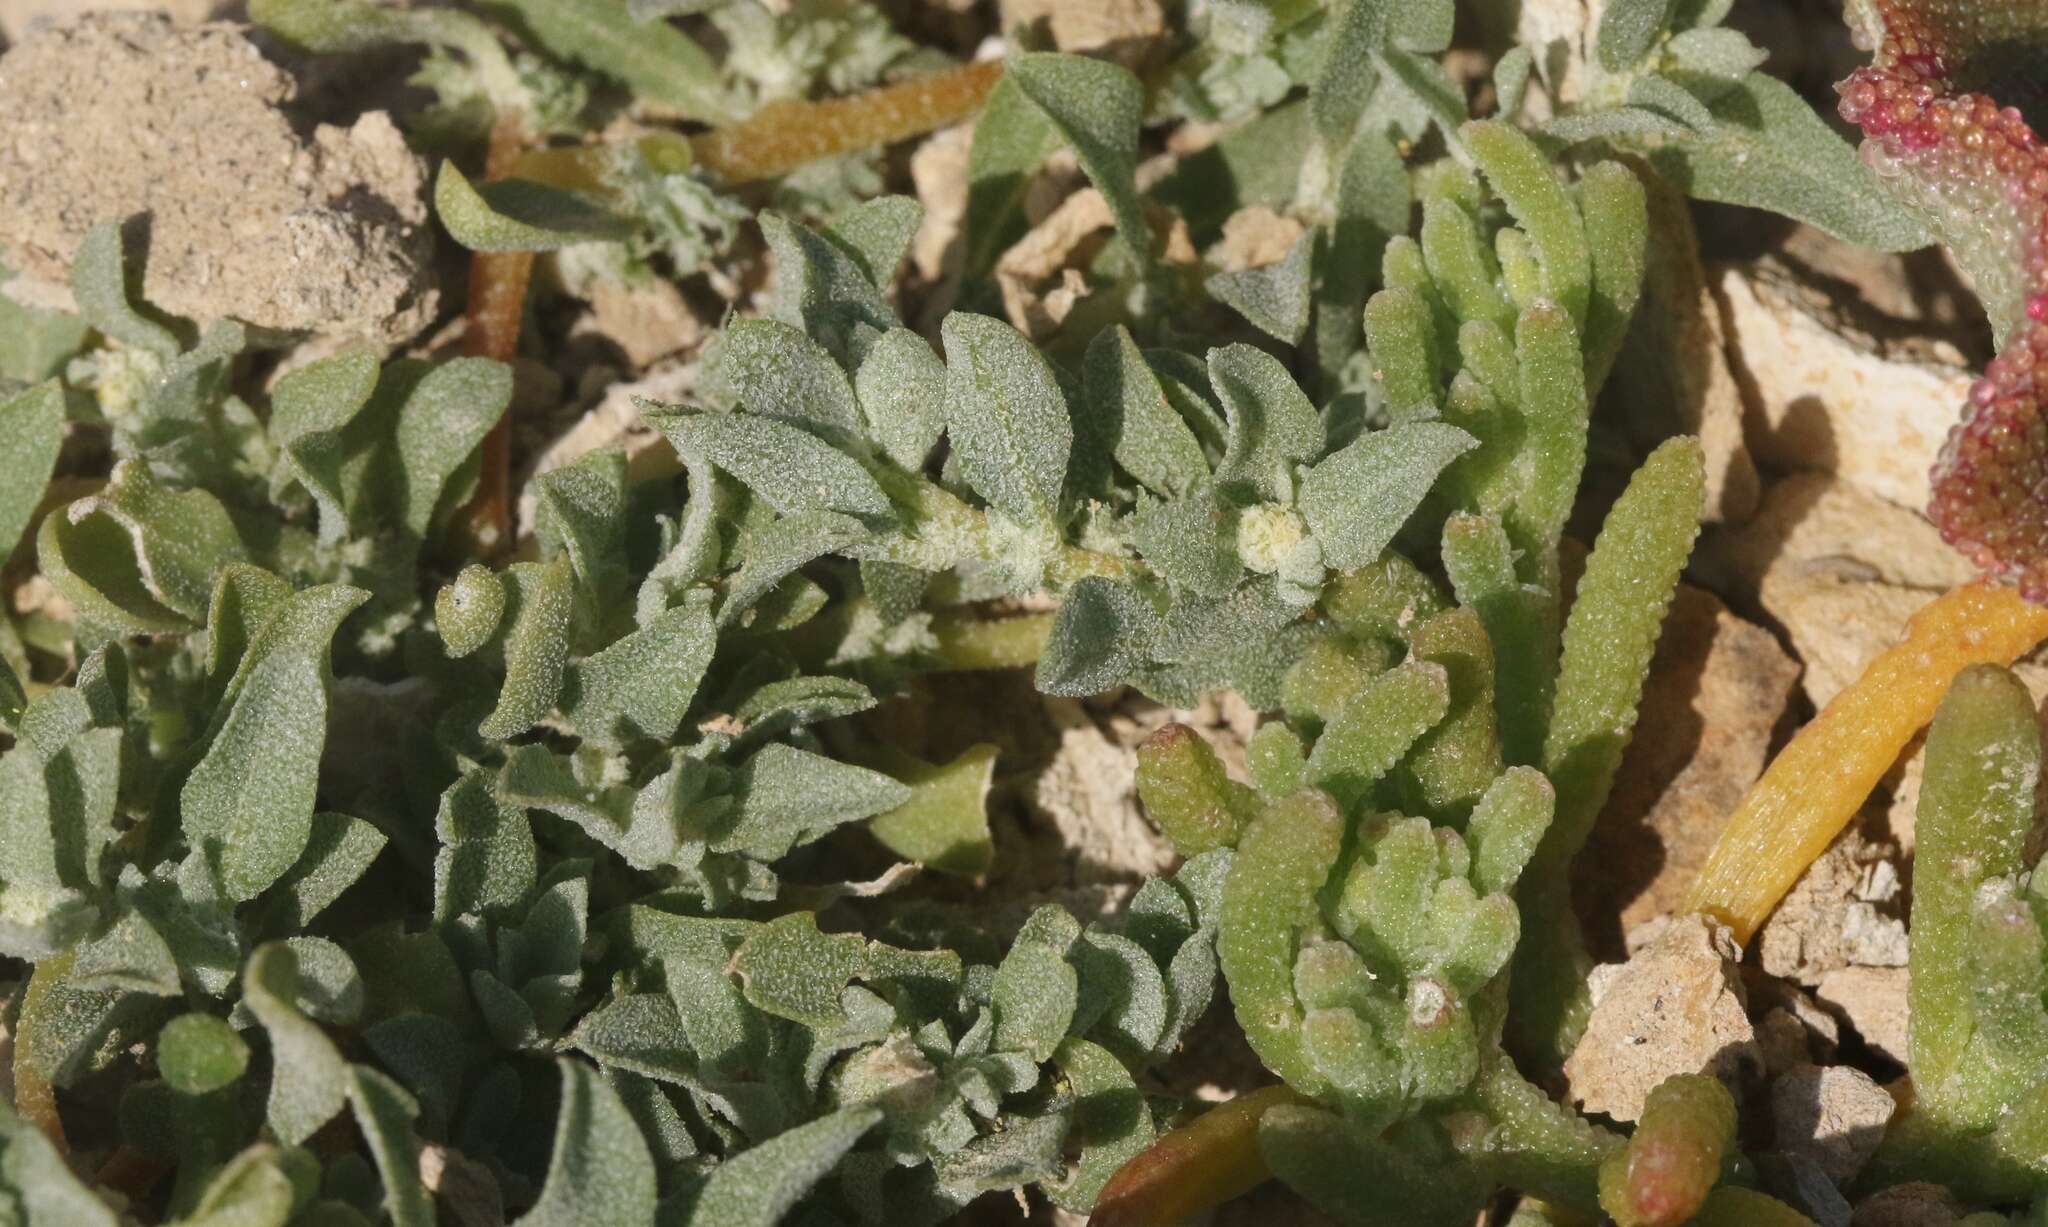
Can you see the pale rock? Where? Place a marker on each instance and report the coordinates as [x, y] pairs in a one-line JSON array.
[[1130, 32], [1717, 688], [615, 421], [125, 115], [647, 321], [1087, 793], [1834, 1115], [1060, 242], [1254, 238], [20, 18], [1823, 391], [1792, 1028], [1043, 254], [1560, 33], [1921, 289], [1918, 1204], [938, 171], [1845, 910], [1812, 516], [1873, 999], [1676, 1007], [1839, 618]]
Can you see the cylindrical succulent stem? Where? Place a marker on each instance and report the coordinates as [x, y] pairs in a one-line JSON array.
[[1818, 782], [1674, 1158]]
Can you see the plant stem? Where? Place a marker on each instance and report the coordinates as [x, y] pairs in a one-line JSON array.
[[1197, 1167], [34, 1098], [1820, 780], [967, 643], [782, 136], [497, 300]]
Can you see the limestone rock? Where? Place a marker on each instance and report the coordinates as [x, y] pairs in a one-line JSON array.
[[1812, 516], [122, 116], [938, 169], [1086, 794], [1718, 686], [1559, 32], [18, 18], [1254, 238], [1839, 617], [1822, 390], [1676, 1007], [1130, 32], [1845, 910], [1834, 1115], [1873, 999]]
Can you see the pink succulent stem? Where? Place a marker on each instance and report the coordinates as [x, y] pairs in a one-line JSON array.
[[1980, 174]]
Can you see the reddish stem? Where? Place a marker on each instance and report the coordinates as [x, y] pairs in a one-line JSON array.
[[497, 301], [784, 135]]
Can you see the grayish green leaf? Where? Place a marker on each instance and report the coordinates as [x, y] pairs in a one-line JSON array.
[[656, 60], [901, 386], [760, 1186], [1768, 150], [1096, 105], [197, 1053], [1190, 541], [775, 552], [793, 971], [791, 469], [316, 1080], [384, 1112], [1628, 29], [338, 851], [1357, 499], [518, 214], [487, 858], [469, 609], [536, 646], [878, 233], [1148, 436], [1011, 137], [1274, 298], [782, 795], [32, 422], [1273, 427], [1102, 633], [1035, 994], [177, 539], [642, 685], [41, 1183], [1008, 420], [101, 283], [602, 1174], [248, 805], [781, 373]]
